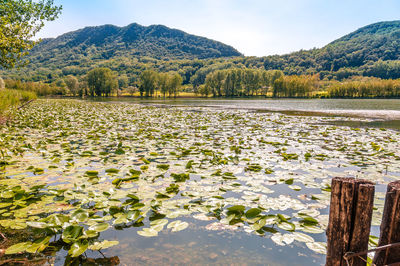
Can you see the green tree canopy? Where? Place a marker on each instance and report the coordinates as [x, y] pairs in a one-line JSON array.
[[72, 84], [148, 82], [101, 82], [20, 21]]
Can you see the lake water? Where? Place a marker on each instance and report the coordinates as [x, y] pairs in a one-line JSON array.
[[387, 109], [276, 157]]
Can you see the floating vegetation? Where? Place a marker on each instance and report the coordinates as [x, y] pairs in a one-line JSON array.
[[71, 170]]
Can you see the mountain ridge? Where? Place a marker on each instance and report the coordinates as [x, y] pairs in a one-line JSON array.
[[373, 50], [157, 41]]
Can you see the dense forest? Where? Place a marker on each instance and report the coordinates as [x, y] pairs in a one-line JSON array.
[[205, 67]]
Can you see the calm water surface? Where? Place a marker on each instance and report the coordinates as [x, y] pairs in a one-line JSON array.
[[198, 246], [387, 109]]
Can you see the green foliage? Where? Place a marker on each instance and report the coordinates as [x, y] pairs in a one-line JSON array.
[[10, 98], [148, 83], [19, 22], [295, 86], [239, 82], [166, 83], [101, 82], [156, 60], [72, 84], [369, 88], [39, 88]]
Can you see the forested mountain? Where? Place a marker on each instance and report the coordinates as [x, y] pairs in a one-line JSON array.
[[373, 50], [360, 52], [108, 41]]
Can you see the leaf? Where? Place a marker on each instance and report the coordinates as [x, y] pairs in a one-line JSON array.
[[103, 245], [259, 224], [164, 167], [37, 225], [237, 208], [72, 233], [122, 219], [303, 237], [158, 225], [177, 226], [89, 234], [92, 173], [282, 240], [148, 232], [253, 213], [117, 182], [228, 219], [112, 171], [4, 205], [135, 172], [78, 248], [289, 181], [308, 221], [318, 247], [99, 227], [39, 245], [17, 248], [80, 215], [312, 229], [287, 226]]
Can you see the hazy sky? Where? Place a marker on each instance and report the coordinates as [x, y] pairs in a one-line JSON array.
[[254, 27]]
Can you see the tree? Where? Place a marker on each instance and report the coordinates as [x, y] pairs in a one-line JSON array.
[[148, 82], [175, 82], [72, 84], [163, 80], [101, 82], [20, 21], [123, 81]]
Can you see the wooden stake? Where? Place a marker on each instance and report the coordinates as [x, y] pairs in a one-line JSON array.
[[390, 227], [350, 219]]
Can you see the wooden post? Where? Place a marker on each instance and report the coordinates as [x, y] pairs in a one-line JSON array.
[[350, 219], [390, 227]]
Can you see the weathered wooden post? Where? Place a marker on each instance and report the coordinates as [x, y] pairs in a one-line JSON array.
[[349, 220], [390, 227]]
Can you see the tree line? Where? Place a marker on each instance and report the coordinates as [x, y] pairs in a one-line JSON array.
[[233, 82], [370, 88], [239, 82], [152, 82], [103, 82]]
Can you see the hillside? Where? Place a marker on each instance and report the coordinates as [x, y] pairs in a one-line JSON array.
[[373, 50], [358, 51], [108, 41]]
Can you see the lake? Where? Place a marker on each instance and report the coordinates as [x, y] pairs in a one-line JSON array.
[[189, 181]]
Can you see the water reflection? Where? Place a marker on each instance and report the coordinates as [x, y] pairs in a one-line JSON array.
[[388, 109]]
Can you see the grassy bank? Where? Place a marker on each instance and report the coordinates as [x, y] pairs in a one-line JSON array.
[[13, 98]]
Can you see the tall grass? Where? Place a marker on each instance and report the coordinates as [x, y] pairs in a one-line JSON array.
[[13, 98]]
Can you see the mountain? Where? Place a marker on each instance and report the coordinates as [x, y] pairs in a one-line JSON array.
[[108, 41], [357, 51], [373, 50]]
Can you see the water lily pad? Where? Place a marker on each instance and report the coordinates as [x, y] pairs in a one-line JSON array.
[[103, 245], [177, 226], [99, 227], [318, 247], [77, 248], [18, 248], [148, 232]]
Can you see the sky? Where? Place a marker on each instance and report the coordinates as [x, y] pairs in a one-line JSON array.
[[254, 27]]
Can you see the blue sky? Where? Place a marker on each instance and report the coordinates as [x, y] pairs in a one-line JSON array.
[[254, 27]]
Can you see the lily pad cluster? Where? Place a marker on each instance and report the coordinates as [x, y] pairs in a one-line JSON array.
[[71, 170]]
